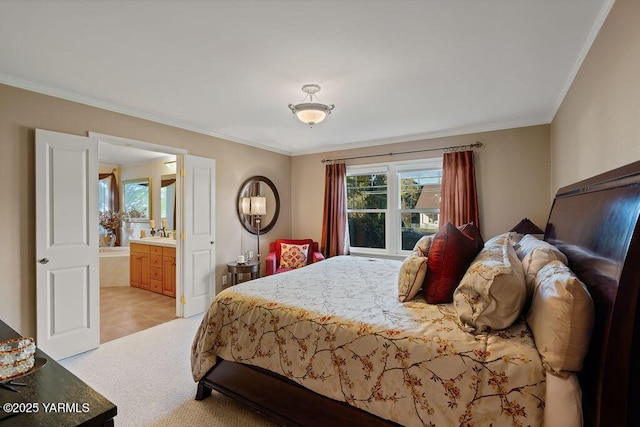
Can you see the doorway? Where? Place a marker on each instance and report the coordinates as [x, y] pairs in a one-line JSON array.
[[67, 262], [137, 193]]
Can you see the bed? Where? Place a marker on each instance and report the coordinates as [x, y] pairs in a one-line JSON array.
[[283, 359]]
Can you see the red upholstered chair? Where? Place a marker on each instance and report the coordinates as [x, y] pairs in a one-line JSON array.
[[273, 259]]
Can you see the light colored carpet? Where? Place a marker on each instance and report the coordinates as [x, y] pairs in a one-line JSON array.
[[148, 376]]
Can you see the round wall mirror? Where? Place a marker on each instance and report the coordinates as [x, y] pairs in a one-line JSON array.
[[260, 187]]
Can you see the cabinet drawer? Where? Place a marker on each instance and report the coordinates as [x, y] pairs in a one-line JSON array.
[[169, 252], [155, 250], [155, 285], [137, 247], [155, 273], [155, 260]]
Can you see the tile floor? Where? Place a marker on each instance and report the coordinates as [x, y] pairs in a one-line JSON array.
[[125, 310]]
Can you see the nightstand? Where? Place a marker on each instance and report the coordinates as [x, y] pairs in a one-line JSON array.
[[235, 269]]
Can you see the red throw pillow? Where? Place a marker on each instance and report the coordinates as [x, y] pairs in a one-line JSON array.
[[471, 231], [450, 255]]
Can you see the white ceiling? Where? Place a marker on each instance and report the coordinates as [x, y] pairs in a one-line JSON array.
[[123, 155], [396, 70]]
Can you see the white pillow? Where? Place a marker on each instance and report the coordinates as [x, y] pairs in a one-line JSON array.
[[563, 402], [561, 318], [535, 254], [492, 293], [511, 235]]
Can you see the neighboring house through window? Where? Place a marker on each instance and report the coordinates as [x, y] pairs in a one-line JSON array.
[[390, 206]]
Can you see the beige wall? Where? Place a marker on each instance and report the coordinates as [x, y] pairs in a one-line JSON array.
[[22, 111], [597, 127], [512, 173]]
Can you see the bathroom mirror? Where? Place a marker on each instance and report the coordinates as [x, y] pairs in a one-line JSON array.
[[259, 186], [168, 200], [137, 199]]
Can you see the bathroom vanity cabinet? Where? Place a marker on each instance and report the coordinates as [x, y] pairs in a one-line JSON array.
[[153, 267]]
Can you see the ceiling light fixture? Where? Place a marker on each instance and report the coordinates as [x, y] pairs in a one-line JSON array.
[[311, 112]]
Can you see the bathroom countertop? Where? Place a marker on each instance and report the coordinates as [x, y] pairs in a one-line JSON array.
[[155, 241]]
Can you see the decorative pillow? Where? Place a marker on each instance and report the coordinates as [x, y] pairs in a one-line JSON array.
[[293, 256], [411, 275], [535, 254], [561, 318], [449, 256], [473, 232], [423, 245], [563, 401], [492, 293], [511, 235]]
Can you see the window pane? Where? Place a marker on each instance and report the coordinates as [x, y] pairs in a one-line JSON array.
[[420, 189], [367, 191], [104, 186], [415, 225], [366, 230], [163, 202]]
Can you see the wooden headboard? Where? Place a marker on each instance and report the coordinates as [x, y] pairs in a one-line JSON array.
[[595, 223]]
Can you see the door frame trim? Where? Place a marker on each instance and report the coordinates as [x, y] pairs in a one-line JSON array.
[[179, 153]]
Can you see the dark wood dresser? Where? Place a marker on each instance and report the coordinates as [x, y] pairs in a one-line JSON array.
[[52, 396]]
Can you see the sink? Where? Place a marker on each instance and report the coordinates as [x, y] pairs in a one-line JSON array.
[[157, 240]]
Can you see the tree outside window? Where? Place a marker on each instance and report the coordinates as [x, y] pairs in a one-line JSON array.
[[367, 208], [390, 207]]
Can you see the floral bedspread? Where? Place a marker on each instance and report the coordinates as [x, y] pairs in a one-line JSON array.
[[338, 328]]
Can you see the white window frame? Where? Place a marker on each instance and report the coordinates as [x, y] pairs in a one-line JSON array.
[[393, 213]]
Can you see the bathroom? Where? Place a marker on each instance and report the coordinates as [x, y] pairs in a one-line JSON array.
[[140, 187]]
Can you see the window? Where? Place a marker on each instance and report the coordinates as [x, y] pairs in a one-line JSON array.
[[104, 194], [104, 199], [389, 207]]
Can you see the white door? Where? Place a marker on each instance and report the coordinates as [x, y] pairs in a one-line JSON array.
[[198, 256], [67, 280]]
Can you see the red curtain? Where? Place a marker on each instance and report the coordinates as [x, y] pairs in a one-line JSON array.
[[459, 203], [335, 239]]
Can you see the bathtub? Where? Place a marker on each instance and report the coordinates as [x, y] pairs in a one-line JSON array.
[[114, 266]]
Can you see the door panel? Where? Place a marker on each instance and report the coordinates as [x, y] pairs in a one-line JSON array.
[[67, 280], [68, 287], [199, 244]]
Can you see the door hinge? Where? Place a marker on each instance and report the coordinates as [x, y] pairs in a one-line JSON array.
[[183, 236], [183, 300], [183, 172]]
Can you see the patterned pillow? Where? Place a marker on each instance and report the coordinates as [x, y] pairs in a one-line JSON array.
[[561, 318], [492, 293], [450, 254], [424, 244], [293, 256], [535, 254], [411, 275]]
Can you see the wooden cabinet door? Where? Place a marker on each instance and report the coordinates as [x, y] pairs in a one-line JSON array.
[[169, 276], [144, 270], [135, 263]]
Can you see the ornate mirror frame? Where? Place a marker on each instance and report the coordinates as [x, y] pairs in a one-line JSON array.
[[259, 186]]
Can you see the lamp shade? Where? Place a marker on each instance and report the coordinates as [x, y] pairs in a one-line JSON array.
[[311, 112], [246, 205], [527, 227], [258, 205]]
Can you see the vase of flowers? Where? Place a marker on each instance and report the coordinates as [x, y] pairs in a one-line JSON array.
[[110, 221]]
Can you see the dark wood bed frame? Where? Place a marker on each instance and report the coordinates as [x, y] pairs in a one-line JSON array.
[[595, 223]]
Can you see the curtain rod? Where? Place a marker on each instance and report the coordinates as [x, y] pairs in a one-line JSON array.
[[452, 148]]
